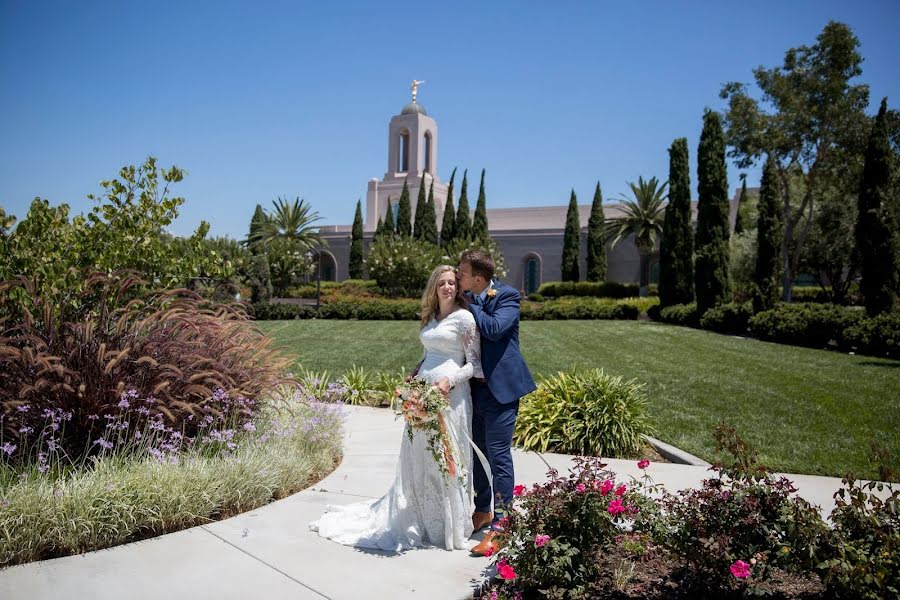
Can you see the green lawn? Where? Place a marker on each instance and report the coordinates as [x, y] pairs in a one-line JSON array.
[[806, 411]]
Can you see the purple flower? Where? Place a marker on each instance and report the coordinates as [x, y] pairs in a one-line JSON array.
[[26, 429], [103, 443], [137, 435], [5, 503], [8, 448], [23, 408], [93, 417], [123, 403], [249, 426]]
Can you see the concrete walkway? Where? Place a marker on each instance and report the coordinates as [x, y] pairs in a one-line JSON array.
[[270, 552]]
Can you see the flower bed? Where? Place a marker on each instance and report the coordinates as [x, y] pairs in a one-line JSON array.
[[157, 482], [743, 533]]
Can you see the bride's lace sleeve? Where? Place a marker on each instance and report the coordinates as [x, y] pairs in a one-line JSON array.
[[472, 348]]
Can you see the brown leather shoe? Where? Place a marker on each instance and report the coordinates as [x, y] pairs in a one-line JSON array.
[[486, 546], [480, 520]]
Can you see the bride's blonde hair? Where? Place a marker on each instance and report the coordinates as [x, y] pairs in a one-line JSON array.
[[430, 304]]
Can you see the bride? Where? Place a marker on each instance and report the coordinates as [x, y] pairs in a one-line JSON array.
[[423, 506]]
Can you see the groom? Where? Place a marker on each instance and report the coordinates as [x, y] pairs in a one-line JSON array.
[[495, 399]]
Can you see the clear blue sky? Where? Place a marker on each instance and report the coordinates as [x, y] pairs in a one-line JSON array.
[[260, 99]]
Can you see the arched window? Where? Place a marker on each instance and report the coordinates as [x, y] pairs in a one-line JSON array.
[[329, 267], [532, 273], [403, 157], [428, 152]]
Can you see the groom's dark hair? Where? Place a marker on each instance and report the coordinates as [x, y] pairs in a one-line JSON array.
[[481, 261]]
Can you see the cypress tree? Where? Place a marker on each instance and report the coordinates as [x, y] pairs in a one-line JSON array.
[[676, 248], [768, 240], [404, 214], [480, 222], [571, 242], [418, 220], [463, 230], [596, 244], [379, 229], [875, 225], [448, 225], [711, 264], [389, 229], [430, 218], [355, 268], [257, 225], [738, 221]]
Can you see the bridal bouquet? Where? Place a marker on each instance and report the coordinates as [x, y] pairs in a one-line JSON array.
[[422, 406]]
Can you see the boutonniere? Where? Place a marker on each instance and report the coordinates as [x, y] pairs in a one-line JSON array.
[[491, 293]]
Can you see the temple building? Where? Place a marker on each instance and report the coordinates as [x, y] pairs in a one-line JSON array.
[[530, 238]]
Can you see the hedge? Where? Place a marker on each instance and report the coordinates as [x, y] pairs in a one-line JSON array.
[[732, 318], [606, 289], [805, 324], [579, 308]]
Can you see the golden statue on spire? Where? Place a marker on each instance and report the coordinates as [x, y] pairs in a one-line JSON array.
[[415, 88]]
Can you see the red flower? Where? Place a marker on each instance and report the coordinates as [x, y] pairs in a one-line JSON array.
[[740, 569], [489, 552], [620, 491], [643, 463], [615, 507], [519, 490], [607, 486], [506, 572]]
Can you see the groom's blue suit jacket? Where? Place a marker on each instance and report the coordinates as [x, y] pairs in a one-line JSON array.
[[505, 370]]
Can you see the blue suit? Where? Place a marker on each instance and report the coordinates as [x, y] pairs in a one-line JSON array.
[[495, 403]]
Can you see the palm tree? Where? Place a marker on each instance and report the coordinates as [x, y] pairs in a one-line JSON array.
[[642, 217], [291, 221]]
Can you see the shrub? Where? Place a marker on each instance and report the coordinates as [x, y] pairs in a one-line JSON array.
[[728, 318], [554, 532], [605, 289], [188, 360], [586, 412], [878, 336], [401, 265], [580, 308], [278, 311], [678, 314], [535, 297], [341, 307], [816, 325], [863, 553], [743, 514]]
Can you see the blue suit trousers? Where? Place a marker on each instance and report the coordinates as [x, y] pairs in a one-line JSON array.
[[493, 424]]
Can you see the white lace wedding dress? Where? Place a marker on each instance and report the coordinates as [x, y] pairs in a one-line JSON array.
[[423, 506]]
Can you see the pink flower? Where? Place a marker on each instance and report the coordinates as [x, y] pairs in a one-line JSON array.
[[580, 488], [519, 490], [540, 540], [643, 463], [607, 486], [506, 572], [494, 595], [615, 507], [620, 491], [489, 552], [740, 569]]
